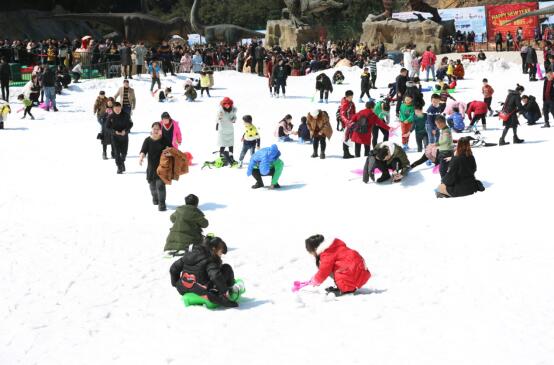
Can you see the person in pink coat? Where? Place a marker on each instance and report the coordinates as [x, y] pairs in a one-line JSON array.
[[171, 132], [451, 104], [186, 63], [428, 62]]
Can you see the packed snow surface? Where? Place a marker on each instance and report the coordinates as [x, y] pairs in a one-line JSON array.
[[454, 281]]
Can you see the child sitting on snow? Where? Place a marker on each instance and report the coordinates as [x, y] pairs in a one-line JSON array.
[[284, 130], [333, 258], [202, 272], [303, 131], [165, 95], [338, 77], [456, 120]]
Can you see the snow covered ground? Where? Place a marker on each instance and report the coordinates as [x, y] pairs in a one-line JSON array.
[[455, 281]]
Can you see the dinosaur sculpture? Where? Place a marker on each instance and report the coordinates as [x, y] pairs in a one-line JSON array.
[[133, 27], [416, 5], [220, 32], [299, 11], [544, 11]]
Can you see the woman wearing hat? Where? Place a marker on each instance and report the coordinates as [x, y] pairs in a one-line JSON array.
[[226, 117]]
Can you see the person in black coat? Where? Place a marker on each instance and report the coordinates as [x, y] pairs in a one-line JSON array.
[[153, 147], [202, 272], [531, 60], [5, 76], [511, 107], [531, 110], [401, 81], [460, 178], [413, 90], [324, 85], [338, 77], [279, 76], [548, 97], [119, 124]]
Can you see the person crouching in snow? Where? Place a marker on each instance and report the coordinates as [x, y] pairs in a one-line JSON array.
[[338, 78], [250, 138], [320, 129], [531, 110], [153, 147], [303, 132], [188, 222], [323, 84], [333, 258], [263, 163], [456, 120], [171, 132], [190, 92], [285, 129], [165, 95], [201, 271], [385, 156]]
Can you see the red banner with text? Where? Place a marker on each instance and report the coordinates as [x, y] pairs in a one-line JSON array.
[[498, 14]]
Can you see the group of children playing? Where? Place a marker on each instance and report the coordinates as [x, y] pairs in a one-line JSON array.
[[200, 270]]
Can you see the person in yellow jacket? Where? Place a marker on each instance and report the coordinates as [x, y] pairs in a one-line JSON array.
[[4, 111], [450, 70], [204, 83], [250, 138]]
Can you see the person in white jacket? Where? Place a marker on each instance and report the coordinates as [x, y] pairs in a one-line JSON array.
[[226, 117], [407, 53], [76, 72]]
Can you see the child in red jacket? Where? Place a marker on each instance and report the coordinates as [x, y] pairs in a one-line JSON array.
[[343, 264]]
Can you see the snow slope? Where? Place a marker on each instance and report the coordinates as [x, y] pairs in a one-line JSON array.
[[455, 281]]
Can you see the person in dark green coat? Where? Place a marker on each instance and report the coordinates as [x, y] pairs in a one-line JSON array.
[[188, 222], [418, 126]]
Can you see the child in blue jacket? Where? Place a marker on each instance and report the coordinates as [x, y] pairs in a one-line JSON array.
[[266, 162], [456, 121]]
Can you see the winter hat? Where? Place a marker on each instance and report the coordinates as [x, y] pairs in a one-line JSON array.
[[247, 119], [314, 113], [188, 82], [191, 199], [227, 101], [165, 115]]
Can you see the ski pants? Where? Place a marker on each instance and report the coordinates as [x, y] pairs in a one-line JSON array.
[[323, 93], [488, 101], [375, 136], [547, 108], [120, 145], [157, 189]]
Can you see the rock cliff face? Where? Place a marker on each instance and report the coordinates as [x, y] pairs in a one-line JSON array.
[[26, 24], [445, 4], [286, 35], [396, 35]]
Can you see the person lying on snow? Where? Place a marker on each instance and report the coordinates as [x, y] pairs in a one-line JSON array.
[[333, 258], [385, 156], [201, 271]]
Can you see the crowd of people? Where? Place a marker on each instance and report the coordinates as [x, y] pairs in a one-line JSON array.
[[200, 271]]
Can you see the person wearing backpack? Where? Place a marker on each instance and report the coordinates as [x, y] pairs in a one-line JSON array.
[[362, 126], [320, 129]]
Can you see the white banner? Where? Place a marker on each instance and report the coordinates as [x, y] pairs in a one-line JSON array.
[[550, 19], [465, 19]]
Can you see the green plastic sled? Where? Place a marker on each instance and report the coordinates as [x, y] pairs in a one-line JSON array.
[[234, 294]]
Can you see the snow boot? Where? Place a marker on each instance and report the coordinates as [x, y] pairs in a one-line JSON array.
[[123, 166], [119, 169], [383, 177], [104, 157], [55, 109], [257, 186], [346, 152], [320, 101], [275, 186], [517, 140], [322, 156], [502, 142], [326, 101], [162, 207], [314, 155], [1, 125], [546, 125], [441, 195]]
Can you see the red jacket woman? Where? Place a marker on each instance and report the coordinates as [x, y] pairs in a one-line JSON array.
[[344, 265], [428, 59]]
